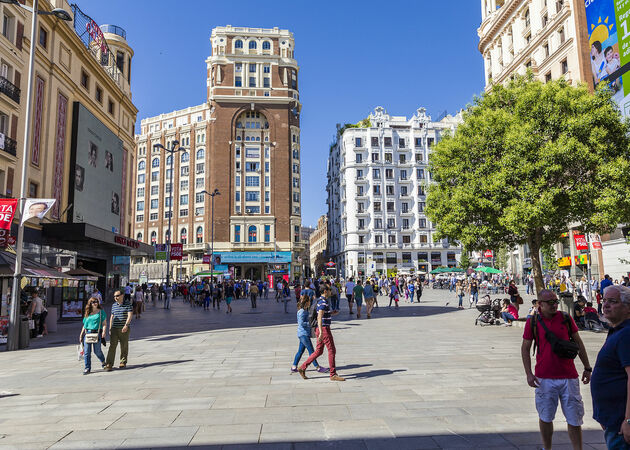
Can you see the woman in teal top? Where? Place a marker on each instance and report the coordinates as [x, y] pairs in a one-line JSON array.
[[94, 321]]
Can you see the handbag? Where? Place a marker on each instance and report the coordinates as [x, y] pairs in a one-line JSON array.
[[92, 338], [31, 324], [567, 349]]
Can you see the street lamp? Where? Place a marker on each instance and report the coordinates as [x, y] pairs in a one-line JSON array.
[[172, 151], [13, 336], [212, 195]]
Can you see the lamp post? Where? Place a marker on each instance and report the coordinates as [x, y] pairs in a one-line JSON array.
[[212, 195], [13, 336], [172, 151]]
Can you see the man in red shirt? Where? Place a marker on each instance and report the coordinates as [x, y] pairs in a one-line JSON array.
[[555, 378]]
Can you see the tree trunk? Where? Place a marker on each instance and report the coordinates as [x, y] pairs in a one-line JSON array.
[[534, 248]]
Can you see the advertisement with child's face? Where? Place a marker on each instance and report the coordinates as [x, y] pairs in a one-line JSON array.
[[609, 47]]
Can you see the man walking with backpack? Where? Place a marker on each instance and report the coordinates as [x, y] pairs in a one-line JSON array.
[[558, 342]]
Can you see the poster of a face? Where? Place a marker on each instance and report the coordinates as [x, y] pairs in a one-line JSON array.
[[109, 161], [606, 59], [79, 177], [115, 203], [93, 156], [37, 207]]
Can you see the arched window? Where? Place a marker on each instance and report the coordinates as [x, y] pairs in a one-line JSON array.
[[200, 153], [141, 165], [169, 160], [139, 237], [183, 236], [155, 162], [153, 237], [266, 45], [185, 157], [251, 234], [199, 235], [252, 45], [238, 44]]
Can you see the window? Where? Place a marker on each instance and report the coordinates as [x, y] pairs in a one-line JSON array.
[[140, 218], [252, 181], [359, 174], [390, 206], [391, 239], [199, 197], [389, 174], [430, 142], [252, 210], [183, 212], [251, 234], [200, 153], [153, 216], [406, 240], [377, 206], [237, 196], [376, 174], [418, 142], [141, 178], [548, 77], [402, 159], [199, 183], [358, 158], [403, 191], [267, 196], [374, 157], [99, 94], [183, 235], [7, 26], [528, 38], [421, 206], [545, 20], [199, 236], [389, 190], [405, 224], [184, 170], [422, 223], [296, 197], [153, 237], [155, 162], [267, 233], [420, 174], [238, 81], [360, 207], [141, 165], [200, 168], [401, 143], [419, 157], [378, 224], [404, 207], [154, 203], [420, 190], [120, 61], [359, 191], [238, 67], [374, 141], [183, 199], [388, 142], [403, 174], [167, 202], [183, 185], [252, 167], [140, 192], [358, 142], [252, 196], [185, 157], [169, 160], [423, 240], [85, 80], [527, 19], [561, 35], [199, 211], [238, 44], [391, 223], [378, 239], [140, 206], [237, 180], [139, 237], [559, 5], [564, 66], [110, 107], [376, 189], [237, 233], [252, 82], [388, 157], [361, 224], [252, 45], [266, 82]]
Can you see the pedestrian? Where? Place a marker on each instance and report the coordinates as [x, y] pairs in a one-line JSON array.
[[411, 287], [609, 385], [509, 313], [93, 330], [459, 291], [324, 336], [128, 291], [217, 295], [393, 295], [253, 294], [138, 301], [229, 296], [38, 314], [349, 293], [169, 295], [154, 293], [119, 331], [418, 289], [304, 335], [370, 298], [555, 378], [357, 294], [97, 295]]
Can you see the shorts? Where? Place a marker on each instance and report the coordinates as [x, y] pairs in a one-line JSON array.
[[565, 390], [228, 300], [359, 301], [350, 299], [369, 302]]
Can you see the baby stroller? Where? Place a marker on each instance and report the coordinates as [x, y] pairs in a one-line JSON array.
[[592, 322], [488, 311]]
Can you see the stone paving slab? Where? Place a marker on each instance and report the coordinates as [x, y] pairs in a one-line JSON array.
[[420, 377]]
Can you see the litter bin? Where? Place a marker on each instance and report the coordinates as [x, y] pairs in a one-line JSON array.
[[566, 303], [25, 334]]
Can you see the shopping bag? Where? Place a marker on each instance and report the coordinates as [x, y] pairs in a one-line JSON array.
[[31, 324], [80, 351]]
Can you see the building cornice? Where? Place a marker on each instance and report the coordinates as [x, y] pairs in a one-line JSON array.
[[497, 20]]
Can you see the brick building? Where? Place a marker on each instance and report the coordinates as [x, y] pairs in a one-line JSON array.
[[245, 142]]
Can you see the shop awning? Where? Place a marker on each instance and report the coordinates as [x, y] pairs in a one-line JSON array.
[[30, 268]]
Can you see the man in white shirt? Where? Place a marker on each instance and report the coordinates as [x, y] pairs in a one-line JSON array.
[[349, 289]]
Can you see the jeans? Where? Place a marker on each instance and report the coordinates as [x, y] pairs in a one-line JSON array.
[[334, 303], [253, 300], [475, 296], [329, 343], [167, 302], [286, 302], [461, 299], [615, 441], [87, 351], [305, 344], [507, 316], [116, 336]]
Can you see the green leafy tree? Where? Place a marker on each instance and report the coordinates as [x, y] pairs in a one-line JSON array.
[[529, 160], [501, 258], [550, 261], [464, 261]]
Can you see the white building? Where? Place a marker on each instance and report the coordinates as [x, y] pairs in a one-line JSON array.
[[377, 183]]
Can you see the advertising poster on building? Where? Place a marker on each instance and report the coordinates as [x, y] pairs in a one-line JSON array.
[[609, 47], [177, 251], [7, 211], [36, 207]]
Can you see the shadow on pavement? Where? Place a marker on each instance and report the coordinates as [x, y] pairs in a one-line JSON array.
[[373, 373], [593, 439], [157, 363]]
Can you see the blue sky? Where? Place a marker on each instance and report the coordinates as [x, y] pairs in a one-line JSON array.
[[353, 56]]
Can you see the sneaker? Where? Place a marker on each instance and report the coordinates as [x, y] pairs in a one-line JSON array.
[[302, 373], [103, 365], [337, 378], [86, 372], [321, 369], [294, 369], [122, 365]]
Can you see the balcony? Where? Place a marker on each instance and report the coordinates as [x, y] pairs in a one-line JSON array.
[[10, 146], [10, 89], [195, 246]]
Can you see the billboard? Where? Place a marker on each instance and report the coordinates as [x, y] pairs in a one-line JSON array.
[[609, 47], [97, 165]]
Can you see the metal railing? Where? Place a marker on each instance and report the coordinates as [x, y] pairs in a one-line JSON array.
[[10, 146], [114, 29], [10, 89]]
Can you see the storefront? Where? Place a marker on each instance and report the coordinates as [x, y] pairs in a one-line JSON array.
[[271, 266]]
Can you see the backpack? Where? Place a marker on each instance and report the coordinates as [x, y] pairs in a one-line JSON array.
[[312, 317], [563, 348]]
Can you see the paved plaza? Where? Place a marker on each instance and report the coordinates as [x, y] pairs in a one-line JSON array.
[[421, 377]]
